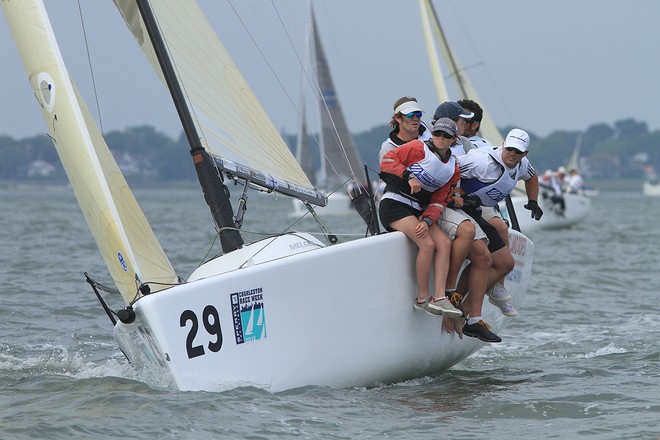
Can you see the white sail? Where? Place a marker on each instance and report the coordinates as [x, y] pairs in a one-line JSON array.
[[125, 239], [436, 38], [574, 161], [232, 123]]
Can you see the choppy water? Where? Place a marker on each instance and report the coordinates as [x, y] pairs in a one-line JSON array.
[[581, 361]]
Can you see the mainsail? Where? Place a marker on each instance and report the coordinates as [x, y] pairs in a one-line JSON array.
[[126, 241], [231, 122]]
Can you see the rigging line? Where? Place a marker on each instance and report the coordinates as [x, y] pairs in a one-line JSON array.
[[334, 128], [488, 73], [453, 74], [91, 70], [313, 83], [263, 56]]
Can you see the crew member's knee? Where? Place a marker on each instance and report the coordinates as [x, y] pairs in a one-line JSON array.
[[466, 230]]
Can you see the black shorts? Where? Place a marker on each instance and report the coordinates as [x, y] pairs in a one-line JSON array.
[[390, 211], [495, 242]]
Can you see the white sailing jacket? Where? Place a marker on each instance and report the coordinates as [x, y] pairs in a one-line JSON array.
[[484, 174]]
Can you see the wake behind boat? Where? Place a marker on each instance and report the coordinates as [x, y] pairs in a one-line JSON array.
[[279, 313]]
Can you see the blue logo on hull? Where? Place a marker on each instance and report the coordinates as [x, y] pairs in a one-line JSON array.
[[248, 315]]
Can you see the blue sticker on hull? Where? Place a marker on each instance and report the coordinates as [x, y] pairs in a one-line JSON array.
[[248, 314]]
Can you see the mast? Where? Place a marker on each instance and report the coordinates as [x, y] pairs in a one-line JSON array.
[[215, 191], [455, 69]]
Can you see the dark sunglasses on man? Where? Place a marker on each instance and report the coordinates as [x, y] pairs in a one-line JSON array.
[[510, 149]]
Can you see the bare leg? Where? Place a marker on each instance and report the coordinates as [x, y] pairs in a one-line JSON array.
[[460, 249], [408, 225], [477, 278], [502, 264], [474, 279], [441, 260]]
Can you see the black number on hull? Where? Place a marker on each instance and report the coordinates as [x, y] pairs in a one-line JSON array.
[[212, 327], [197, 350]]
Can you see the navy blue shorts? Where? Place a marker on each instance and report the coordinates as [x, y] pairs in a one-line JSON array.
[[390, 211]]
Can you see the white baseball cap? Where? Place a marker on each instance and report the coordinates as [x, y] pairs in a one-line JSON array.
[[518, 139]]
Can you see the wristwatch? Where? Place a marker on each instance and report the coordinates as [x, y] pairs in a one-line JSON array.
[[427, 221]]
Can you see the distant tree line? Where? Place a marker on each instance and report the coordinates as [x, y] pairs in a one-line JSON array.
[[625, 150], [143, 154]]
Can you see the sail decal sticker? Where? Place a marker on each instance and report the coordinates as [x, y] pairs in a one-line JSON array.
[[247, 309], [46, 91], [120, 257]]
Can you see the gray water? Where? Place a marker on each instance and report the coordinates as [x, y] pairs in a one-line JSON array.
[[580, 361]]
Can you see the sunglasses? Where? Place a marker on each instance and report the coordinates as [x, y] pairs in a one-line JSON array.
[[510, 149], [442, 134], [413, 114]]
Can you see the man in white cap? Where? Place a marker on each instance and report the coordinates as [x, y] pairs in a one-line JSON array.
[[487, 177]]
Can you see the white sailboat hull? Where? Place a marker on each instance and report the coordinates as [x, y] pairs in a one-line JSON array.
[[650, 189], [577, 208], [322, 322]]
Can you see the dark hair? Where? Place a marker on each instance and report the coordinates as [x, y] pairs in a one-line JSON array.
[[472, 106], [394, 123]]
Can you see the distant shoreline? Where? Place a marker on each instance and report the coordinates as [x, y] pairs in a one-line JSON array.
[[608, 185]]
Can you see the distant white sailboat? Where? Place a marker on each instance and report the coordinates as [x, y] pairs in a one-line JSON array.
[[651, 188], [577, 207], [329, 324], [342, 169]]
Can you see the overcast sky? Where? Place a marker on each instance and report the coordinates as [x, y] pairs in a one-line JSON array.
[[539, 65]]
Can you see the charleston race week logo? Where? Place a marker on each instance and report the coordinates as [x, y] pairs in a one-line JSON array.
[[247, 308]]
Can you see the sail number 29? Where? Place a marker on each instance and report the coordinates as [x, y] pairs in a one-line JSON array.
[[211, 322]]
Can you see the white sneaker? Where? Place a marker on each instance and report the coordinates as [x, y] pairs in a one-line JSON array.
[[498, 293], [443, 307], [505, 307], [421, 305]]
